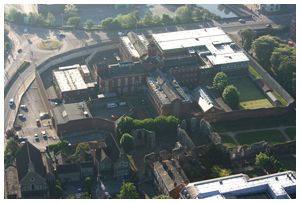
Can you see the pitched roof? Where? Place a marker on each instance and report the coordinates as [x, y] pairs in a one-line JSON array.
[[11, 181], [111, 150], [29, 156], [67, 168]]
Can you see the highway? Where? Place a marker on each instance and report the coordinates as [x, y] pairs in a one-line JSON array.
[[75, 39]]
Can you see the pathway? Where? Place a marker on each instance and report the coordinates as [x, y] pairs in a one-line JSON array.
[[232, 134]]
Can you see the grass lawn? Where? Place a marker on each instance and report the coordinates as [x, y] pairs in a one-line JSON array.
[[288, 161], [254, 104], [247, 88], [253, 72], [271, 136], [255, 123], [291, 132], [49, 44], [227, 141]]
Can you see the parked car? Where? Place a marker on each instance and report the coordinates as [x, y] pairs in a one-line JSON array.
[[44, 134], [11, 102], [268, 25], [44, 115], [38, 122], [21, 116], [242, 21], [111, 105], [36, 137], [24, 107]]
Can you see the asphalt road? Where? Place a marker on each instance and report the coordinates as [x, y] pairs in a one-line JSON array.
[[76, 39]]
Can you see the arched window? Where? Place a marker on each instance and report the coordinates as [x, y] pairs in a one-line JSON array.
[[32, 187]]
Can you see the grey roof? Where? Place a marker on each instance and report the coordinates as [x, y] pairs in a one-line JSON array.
[[11, 181], [125, 68], [72, 111], [111, 149], [167, 88], [29, 156], [68, 168], [170, 173], [138, 44]]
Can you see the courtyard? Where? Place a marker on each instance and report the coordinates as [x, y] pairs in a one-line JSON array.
[[251, 97]]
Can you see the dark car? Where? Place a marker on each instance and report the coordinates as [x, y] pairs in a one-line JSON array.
[[61, 36], [20, 51]]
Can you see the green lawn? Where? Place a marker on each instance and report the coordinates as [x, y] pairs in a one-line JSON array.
[[271, 136], [227, 141], [253, 72], [255, 123], [49, 44], [288, 162], [291, 132], [247, 88]]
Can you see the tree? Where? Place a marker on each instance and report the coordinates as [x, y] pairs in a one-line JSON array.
[[148, 18], [127, 142], [285, 73], [74, 21], [268, 162], [10, 133], [263, 48], [231, 96], [183, 14], [217, 171], [70, 10], [162, 196], [110, 23], [220, 81], [50, 19], [129, 20], [36, 19], [88, 184], [10, 152], [280, 53], [89, 24], [166, 19], [128, 191], [58, 191], [15, 16], [247, 38]]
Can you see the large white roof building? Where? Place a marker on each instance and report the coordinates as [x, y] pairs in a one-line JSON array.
[[275, 186]]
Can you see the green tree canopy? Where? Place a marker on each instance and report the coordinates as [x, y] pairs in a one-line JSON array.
[[220, 81], [162, 196], [88, 182], [127, 142], [148, 18], [268, 162], [89, 24], [231, 96], [70, 10], [281, 53], [263, 48], [166, 19], [110, 23], [218, 171], [74, 21], [183, 14], [129, 20], [247, 38], [128, 191], [15, 16], [50, 19]]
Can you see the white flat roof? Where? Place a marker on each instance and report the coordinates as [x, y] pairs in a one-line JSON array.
[[69, 80], [237, 183], [191, 38], [227, 58], [85, 69]]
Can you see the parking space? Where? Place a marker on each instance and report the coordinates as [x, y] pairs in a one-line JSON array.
[[110, 109], [39, 135]]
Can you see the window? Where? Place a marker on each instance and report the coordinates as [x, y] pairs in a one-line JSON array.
[[32, 187]]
